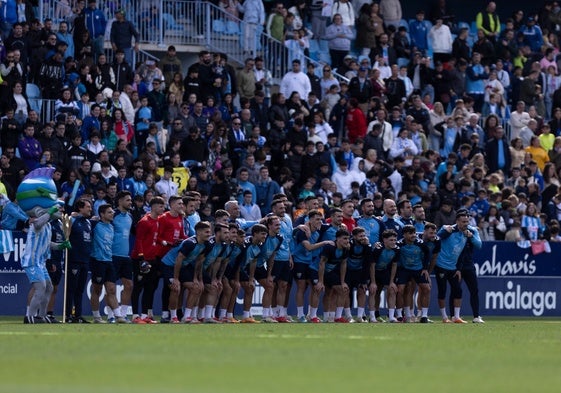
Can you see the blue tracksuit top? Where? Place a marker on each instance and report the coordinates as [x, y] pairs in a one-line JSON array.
[[452, 244], [122, 223], [102, 242]]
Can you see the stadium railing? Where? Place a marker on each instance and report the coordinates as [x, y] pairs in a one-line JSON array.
[[195, 24]]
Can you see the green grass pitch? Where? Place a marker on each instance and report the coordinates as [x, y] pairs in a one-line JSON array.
[[504, 355]]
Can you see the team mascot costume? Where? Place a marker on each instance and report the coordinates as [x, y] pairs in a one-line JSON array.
[[37, 196]]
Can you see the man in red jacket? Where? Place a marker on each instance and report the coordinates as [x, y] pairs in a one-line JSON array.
[[355, 121], [146, 262]]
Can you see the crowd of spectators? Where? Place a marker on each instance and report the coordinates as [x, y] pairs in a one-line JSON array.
[[422, 117]]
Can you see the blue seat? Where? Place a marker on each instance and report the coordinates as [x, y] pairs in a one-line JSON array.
[[34, 97], [314, 47], [232, 28], [402, 62], [218, 26], [404, 23]]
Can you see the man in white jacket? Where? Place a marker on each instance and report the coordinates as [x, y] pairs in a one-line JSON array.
[[296, 80], [403, 147], [343, 178], [441, 39]]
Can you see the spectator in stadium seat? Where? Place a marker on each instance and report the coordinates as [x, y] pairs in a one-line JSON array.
[[533, 36], [488, 21], [391, 12], [366, 29], [122, 33], [339, 36], [498, 152], [253, 16], [346, 10], [476, 74], [246, 80], [95, 23], [402, 46], [442, 10], [295, 80], [355, 121], [385, 51], [485, 47], [441, 41], [418, 32]]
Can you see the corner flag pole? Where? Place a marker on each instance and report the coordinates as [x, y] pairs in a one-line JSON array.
[[66, 227]]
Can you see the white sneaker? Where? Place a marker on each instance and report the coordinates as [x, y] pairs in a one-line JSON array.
[[478, 320], [98, 320]]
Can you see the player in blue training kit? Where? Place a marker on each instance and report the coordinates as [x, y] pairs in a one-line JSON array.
[[252, 250], [419, 216], [390, 218], [432, 241], [371, 224], [413, 264], [266, 262], [102, 267], [231, 276], [282, 274], [218, 250], [328, 231], [383, 270], [405, 213], [453, 240], [122, 222], [182, 267], [304, 243], [330, 273], [360, 255]]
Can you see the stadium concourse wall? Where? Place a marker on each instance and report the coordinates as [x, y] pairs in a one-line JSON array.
[[512, 282]]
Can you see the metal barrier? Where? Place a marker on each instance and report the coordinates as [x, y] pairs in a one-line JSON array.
[[137, 57], [45, 109], [504, 123], [194, 23]]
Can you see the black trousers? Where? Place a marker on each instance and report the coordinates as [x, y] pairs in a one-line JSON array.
[[77, 277], [145, 284]]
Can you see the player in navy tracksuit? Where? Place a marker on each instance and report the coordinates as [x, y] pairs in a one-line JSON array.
[[78, 260], [55, 266]]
